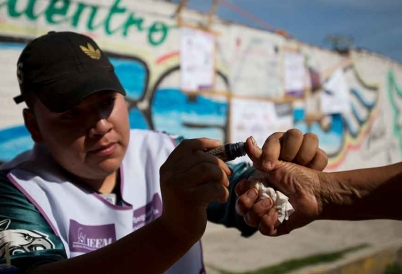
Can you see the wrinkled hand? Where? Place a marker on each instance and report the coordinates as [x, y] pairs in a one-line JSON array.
[[302, 187], [300, 184], [190, 180], [291, 146]]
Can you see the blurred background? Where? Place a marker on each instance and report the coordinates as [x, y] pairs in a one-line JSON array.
[[228, 69]]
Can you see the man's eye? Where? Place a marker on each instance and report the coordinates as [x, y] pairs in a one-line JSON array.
[[71, 115], [109, 101]]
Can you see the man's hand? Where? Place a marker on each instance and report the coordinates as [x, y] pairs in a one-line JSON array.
[[298, 183], [190, 180], [290, 146]]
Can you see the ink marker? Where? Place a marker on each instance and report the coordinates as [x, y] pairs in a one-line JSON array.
[[228, 152]]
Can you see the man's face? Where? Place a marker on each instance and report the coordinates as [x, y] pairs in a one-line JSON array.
[[89, 140]]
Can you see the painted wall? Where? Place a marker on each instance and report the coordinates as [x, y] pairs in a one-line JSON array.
[[142, 39]]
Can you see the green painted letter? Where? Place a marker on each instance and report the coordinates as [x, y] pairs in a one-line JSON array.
[[52, 10], [132, 21], [29, 11], [157, 33], [114, 10]]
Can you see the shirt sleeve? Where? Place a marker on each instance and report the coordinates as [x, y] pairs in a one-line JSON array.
[[30, 239], [225, 213]]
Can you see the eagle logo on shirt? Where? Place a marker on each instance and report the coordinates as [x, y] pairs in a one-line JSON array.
[[21, 240]]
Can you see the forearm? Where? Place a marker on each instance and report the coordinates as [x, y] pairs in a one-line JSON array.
[[362, 194], [151, 249]]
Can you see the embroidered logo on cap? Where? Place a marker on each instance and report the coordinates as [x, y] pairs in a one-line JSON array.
[[91, 52]]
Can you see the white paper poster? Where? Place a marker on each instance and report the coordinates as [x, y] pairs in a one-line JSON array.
[[259, 119], [335, 95], [295, 73], [256, 66], [197, 59]]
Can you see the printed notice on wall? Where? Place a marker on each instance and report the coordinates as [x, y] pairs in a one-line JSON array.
[[259, 119], [255, 66], [197, 59], [335, 97], [295, 73]]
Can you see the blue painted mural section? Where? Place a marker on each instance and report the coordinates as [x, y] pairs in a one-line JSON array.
[[11, 46], [137, 119], [13, 141], [333, 136], [331, 139], [132, 75], [191, 117]]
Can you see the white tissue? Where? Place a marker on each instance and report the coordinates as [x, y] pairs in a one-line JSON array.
[[280, 200]]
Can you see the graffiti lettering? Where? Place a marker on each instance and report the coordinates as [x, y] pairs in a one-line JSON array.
[[73, 13], [377, 134], [395, 98]]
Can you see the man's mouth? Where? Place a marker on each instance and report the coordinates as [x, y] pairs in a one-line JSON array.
[[104, 150]]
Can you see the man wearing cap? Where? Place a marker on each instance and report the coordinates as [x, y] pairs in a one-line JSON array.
[[93, 187]]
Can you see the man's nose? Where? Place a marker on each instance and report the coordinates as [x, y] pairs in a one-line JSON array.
[[100, 128]]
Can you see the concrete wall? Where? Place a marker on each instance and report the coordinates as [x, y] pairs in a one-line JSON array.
[[142, 39]]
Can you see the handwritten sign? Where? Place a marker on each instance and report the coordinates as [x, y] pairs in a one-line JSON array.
[[197, 59], [259, 119], [295, 73]]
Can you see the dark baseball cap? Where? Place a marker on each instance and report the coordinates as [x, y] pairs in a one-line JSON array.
[[62, 68]]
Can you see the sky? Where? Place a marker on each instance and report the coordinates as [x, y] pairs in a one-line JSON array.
[[375, 25]]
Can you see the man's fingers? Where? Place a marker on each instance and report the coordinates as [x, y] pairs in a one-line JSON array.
[[242, 187], [271, 150], [320, 161], [268, 222], [199, 156], [265, 158], [291, 143], [246, 201], [188, 146], [253, 216], [208, 192], [307, 149], [202, 173]]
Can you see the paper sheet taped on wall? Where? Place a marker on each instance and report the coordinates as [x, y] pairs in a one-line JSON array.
[[259, 118], [255, 63], [295, 73], [335, 97], [197, 59], [280, 200]]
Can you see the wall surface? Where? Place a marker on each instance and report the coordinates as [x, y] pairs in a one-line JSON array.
[[142, 39]]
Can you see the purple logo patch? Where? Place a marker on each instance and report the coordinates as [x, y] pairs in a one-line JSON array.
[[147, 213], [85, 238]]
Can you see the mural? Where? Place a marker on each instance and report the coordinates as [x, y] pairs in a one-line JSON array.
[[143, 46], [395, 99], [340, 133]]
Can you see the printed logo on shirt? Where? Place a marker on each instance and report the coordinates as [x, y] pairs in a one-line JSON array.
[[85, 238], [21, 240], [147, 213]]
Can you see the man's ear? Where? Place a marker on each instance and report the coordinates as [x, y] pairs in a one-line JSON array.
[[32, 125]]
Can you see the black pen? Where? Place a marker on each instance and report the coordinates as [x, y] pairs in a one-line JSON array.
[[228, 152]]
